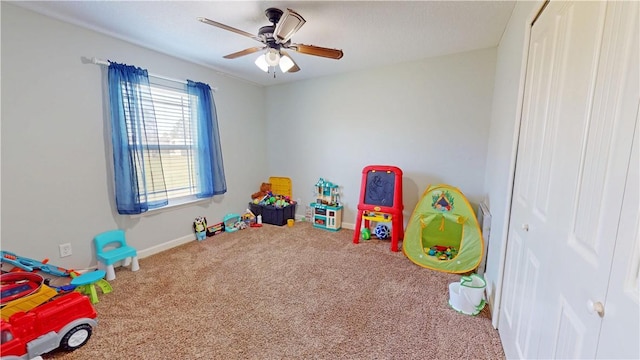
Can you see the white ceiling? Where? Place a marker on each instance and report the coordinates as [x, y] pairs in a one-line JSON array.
[[370, 33]]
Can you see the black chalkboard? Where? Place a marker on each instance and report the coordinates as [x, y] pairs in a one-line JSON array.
[[380, 186]]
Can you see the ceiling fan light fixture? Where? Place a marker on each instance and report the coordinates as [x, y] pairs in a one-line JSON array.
[[272, 57], [261, 62], [285, 63]]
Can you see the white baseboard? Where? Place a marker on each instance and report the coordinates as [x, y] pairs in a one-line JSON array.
[[165, 246], [349, 226], [151, 251]]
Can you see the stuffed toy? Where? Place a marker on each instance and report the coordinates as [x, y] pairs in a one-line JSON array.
[[265, 188], [200, 227]]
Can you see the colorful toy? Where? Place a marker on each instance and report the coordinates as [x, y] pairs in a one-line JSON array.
[[444, 220], [215, 229], [381, 201], [230, 221], [327, 211], [249, 217], [442, 252], [25, 303], [27, 264], [200, 227], [366, 234], [15, 285], [382, 231], [241, 225], [65, 322]]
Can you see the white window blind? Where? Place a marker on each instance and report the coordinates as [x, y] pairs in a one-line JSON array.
[[175, 133]]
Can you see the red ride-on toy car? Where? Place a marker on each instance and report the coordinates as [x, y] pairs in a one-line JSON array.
[[65, 322]]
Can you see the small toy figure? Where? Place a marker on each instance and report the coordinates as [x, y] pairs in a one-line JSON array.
[[200, 227]]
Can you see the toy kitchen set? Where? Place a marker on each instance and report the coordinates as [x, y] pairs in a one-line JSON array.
[[327, 211]]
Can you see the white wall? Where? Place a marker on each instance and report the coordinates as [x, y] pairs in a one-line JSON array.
[[56, 169], [510, 67], [430, 118]]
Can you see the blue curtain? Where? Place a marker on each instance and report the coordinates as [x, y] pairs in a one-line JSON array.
[[139, 179], [209, 157]]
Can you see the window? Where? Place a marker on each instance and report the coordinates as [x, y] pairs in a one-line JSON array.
[[166, 146], [170, 158], [176, 131]]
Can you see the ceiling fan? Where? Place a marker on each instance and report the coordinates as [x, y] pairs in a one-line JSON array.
[[275, 39]]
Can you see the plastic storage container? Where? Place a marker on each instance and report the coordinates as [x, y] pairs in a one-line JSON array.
[[273, 215]]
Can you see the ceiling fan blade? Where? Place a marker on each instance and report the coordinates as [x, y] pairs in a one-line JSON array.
[[317, 51], [289, 24], [228, 28], [243, 52], [295, 67]]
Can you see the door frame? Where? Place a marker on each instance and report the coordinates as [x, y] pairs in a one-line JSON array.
[[533, 15]]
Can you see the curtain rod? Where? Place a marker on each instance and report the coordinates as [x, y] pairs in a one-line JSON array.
[[97, 61]]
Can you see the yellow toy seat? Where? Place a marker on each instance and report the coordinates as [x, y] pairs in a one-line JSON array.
[[111, 247]]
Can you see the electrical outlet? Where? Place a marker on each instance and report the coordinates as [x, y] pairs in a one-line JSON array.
[[65, 250]]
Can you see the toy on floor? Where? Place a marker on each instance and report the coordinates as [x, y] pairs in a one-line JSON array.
[[215, 229], [230, 221], [249, 217], [27, 264], [200, 227], [327, 210], [65, 322], [382, 231], [366, 233], [444, 218], [381, 201]]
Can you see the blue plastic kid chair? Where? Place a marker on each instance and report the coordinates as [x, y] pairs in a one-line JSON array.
[[112, 247]]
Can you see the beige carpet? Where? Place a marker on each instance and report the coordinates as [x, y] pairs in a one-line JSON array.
[[284, 293]]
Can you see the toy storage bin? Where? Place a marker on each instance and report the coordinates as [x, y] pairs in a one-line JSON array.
[[273, 215]]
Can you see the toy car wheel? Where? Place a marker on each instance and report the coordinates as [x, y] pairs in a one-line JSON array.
[[76, 337]]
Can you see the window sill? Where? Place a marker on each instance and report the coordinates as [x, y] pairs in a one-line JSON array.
[[173, 205]]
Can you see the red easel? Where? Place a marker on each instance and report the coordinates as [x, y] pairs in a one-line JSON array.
[[381, 201]]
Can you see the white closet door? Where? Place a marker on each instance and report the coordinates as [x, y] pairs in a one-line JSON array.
[[622, 304], [576, 135]]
